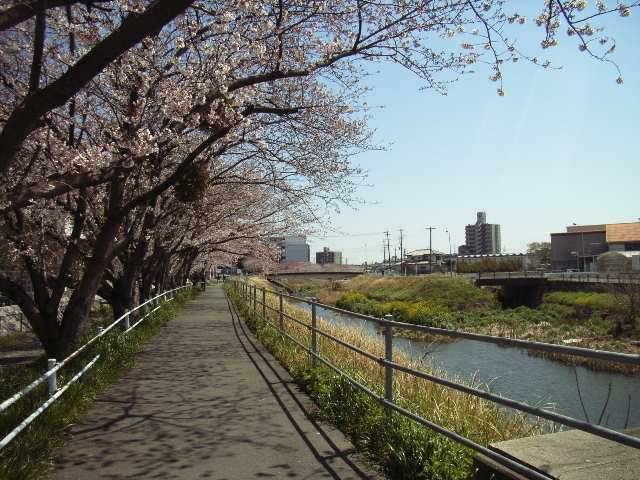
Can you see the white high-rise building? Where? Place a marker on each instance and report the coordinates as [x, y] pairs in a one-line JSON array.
[[293, 249]]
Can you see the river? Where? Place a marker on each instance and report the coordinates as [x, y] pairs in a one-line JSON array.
[[513, 373]]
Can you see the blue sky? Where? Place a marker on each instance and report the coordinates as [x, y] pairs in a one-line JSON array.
[[562, 146]]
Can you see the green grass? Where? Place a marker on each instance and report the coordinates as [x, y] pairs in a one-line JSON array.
[[31, 453], [451, 293], [433, 301], [457, 304]]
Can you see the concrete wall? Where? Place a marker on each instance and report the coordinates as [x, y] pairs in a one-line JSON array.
[[12, 320]]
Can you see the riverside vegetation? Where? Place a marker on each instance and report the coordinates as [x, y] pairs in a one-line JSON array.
[[402, 448], [583, 319], [30, 455]]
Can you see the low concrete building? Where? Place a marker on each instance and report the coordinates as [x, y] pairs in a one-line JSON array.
[[580, 246], [418, 262]]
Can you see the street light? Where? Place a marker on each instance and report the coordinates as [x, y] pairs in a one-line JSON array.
[[450, 261]]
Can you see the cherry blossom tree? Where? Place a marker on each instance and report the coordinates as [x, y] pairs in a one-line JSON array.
[[127, 123]]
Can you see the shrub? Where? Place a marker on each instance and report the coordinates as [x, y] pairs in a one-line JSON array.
[[585, 303], [453, 293], [419, 313]]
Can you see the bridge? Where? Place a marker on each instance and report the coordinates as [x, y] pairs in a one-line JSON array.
[[499, 278], [527, 288], [314, 271]]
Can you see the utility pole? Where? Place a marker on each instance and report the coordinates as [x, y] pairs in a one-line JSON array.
[[384, 252], [388, 249], [401, 255], [431, 229]]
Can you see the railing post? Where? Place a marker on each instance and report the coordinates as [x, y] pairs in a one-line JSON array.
[[281, 312], [255, 299], [314, 334], [53, 378], [125, 322], [388, 369], [264, 304]]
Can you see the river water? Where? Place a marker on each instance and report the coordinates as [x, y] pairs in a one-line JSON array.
[[513, 373]]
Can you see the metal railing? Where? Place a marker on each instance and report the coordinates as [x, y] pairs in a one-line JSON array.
[[53, 366], [248, 293], [579, 277]]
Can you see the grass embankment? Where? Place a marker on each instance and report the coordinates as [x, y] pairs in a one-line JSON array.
[[403, 448], [31, 453], [582, 319]]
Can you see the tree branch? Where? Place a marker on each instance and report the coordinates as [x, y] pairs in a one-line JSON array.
[[17, 14], [38, 46], [27, 116]]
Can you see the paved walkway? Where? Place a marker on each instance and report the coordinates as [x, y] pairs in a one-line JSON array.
[[205, 400]]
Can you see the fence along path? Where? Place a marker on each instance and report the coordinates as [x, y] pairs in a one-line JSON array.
[[205, 401], [258, 304]]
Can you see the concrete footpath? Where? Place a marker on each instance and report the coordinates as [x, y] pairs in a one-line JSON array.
[[205, 400]]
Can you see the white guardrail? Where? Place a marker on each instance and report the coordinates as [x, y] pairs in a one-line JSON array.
[[153, 304]]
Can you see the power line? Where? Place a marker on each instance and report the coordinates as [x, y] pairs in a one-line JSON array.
[[388, 248]]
